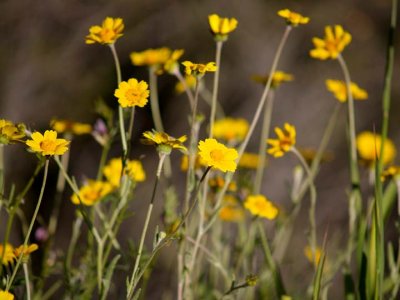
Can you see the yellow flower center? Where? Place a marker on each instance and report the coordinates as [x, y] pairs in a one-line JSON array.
[[133, 96], [93, 195], [107, 35], [217, 155], [48, 145], [331, 45]]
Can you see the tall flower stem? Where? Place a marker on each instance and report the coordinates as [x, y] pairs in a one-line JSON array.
[[145, 227], [1, 178], [27, 281], [215, 86], [313, 202], [35, 213], [263, 144], [188, 92]]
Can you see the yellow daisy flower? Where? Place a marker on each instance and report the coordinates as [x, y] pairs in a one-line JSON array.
[[278, 78], [369, 147], [198, 69], [293, 18], [10, 132], [314, 259], [25, 251], [230, 129], [6, 295], [163, 58], [109, 31], [132, 93], [164, 141], [285, 141], [260, 206], [339, 90], [334, 42], [390, 172], [249, 160], [92, 192], [47, 144], [221, 27], [9, 255], [231, 211], [217, 155], [134, 169], [76, 128]]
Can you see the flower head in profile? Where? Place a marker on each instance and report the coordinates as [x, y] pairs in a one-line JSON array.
[[47, 144], [4, 295], [221, 27], [217, 155], [231, 210], [249, 161], [278, 78], [339, 89], [334, 42], [162, 59], [134, 169], [230, 129], [198, 69], [190, 82], [132, 93], [369, 148], [293, 18], [284, 142], [260, 206], [66, 126], [25, 251], [165, 143], [109, 31], [92, 192], [314, 259], [10, 132], [8, 256]]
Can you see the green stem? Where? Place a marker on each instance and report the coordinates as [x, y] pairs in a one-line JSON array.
[[188, 92], [117, 64], [215, 86], [46, 169], [1, 179], [27, 282], [103, 159]]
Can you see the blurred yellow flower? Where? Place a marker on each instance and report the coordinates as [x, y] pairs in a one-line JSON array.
[[310, 153], [221, 27], [230, 129], [198, 69], [390, 172], [231, 211], [278, 78], [8, 256], [198, 163], [92, 192], [249, 160], [339, 90], [4, 295], [10, 132], [47, 144], [109, 31], [190, 83], [293, 18], [334, 42], [164, 59], [134, 169], [260, 206], [76, 128], [314, 259], [218, 182], [369, 148], [132, 93], [285, 141], [217, 155], [164, 141], [25, 251]]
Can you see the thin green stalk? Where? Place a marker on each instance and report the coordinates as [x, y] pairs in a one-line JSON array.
[[27, 282], [35, 213], [188, 92], [207, 97], [1, 178], [76, 230], [262, 150], [103, 159], [215, 86], [146, 224], [130, 128]]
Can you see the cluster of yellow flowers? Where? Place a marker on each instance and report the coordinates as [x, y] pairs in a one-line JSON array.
[[10, 254]]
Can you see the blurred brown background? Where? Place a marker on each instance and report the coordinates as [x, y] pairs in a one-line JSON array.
[[47, 71]]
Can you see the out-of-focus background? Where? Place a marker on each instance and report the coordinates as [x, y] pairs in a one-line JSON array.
[[48, 71]]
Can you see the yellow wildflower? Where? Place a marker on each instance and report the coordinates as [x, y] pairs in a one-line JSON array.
[[260, 206], [76, 128], [47, 144], [278, 78], [369, 148], [230, 129], [198, 163], [231, 211], [92, 192], [390, 172], [249, 160], [134, 169], [217, 155], [4, 295], [218, 183], [109, 31], [293, 18], [10, 132], [25, 251], [190, 83], [164, 142], [285, 141], [8, 256], [314, 259], [339, 90], [310, 153], [164, 59], [132, 93], [221, 27], [198, 69], [334, 42]]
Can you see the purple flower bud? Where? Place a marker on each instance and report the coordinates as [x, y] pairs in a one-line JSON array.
[[41, 234]]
